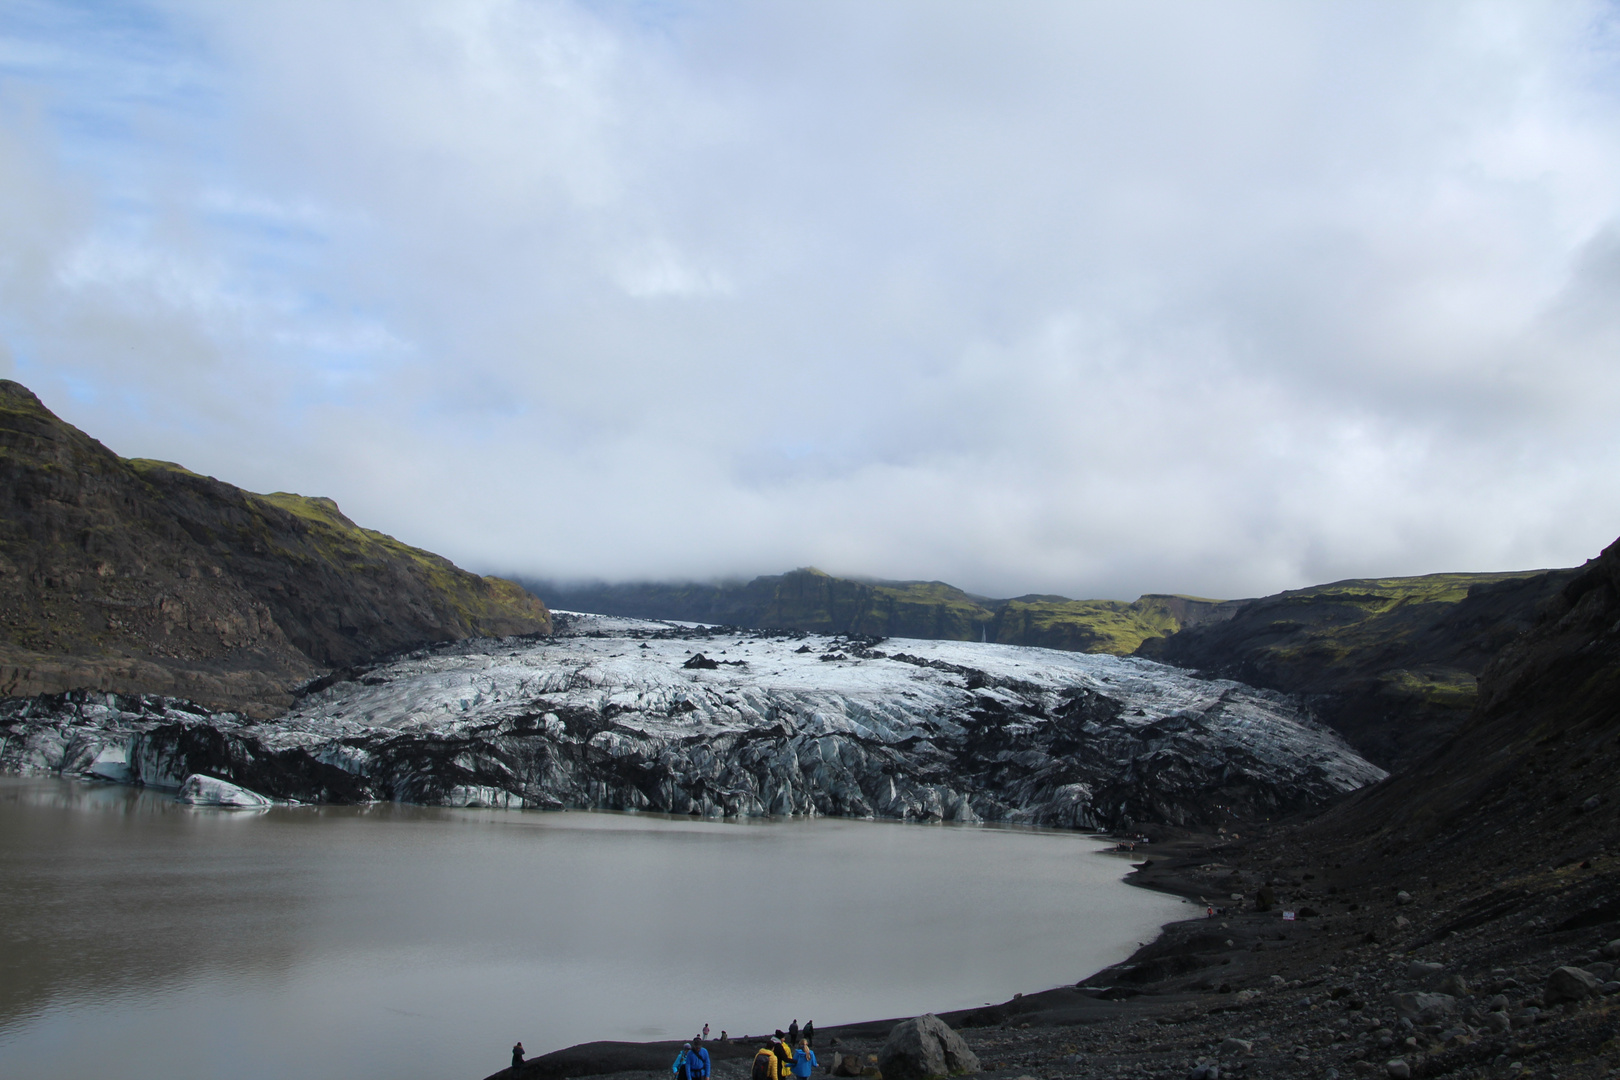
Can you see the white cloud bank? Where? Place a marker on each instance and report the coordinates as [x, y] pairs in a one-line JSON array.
[[1081, 298]]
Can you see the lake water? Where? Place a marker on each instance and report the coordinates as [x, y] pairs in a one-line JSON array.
[[158, 940]]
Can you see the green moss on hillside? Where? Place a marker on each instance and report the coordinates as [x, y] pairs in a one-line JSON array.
[[1383, 593], [1442, 687], [810, 599], [1105, 626], [1347, 622], [330, 537], [1391, 661], [147, 466]]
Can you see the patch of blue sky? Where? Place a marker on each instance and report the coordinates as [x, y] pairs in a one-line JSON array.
[[52, 381], [1603, 50], [131, 99], [18, 347], [332, 356], [269, 243], [482, 398], [655, 15], [119, 87], [281, 224], [99, 60], [762, 466], [80, 389]]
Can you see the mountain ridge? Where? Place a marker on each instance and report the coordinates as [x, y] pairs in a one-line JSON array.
[[1391, 663], [142, 576], [811, 600]]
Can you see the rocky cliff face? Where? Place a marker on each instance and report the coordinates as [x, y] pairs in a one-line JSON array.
[[1529, 778], [140, 576], [1389, 663], [623, 714]]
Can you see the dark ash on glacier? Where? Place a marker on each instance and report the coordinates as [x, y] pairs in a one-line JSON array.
[[612, 714]]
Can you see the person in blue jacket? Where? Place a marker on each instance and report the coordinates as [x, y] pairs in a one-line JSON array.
[[697, 1060], [804, 1061]]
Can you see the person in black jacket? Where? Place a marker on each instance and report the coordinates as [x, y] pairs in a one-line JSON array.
[[810, 1032], [517, 1057], [793, 1033]]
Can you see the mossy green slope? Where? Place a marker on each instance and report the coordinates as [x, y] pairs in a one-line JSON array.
[[1390, 662], [1106, 626], [808, 599], [140, 575]]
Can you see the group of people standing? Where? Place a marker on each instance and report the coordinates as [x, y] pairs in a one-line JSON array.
[[786, 1055]]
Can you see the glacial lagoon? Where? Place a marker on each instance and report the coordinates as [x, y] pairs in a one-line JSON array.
[[152, 939]]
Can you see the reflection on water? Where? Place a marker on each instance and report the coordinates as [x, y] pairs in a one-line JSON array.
[[416, 941]]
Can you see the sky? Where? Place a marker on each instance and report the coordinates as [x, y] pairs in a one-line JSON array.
[[1096, 299]]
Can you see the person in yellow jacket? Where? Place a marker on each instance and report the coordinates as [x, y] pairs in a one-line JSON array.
[[784, 1054], [767, 1063]]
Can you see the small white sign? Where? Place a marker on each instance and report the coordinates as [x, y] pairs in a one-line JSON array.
[[1288, 916]]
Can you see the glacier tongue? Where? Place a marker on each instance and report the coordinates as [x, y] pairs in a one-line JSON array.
[[621, 714]]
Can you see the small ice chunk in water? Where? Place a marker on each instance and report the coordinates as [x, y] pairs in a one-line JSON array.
[[200, 790]]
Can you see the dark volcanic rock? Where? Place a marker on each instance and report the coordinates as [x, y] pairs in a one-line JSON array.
[[1569, 984], [925, 1048]]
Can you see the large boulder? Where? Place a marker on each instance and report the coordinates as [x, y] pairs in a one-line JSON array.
[[925, 1048], [1569, 984], [1425, 1008], [848, 1064], [1425, 974]]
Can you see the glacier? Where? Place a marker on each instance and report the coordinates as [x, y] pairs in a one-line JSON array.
[[627, 714]]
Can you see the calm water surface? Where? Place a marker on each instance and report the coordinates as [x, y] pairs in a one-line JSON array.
[[172, 942]]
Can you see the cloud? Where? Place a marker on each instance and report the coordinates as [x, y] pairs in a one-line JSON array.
[[1043, 297]]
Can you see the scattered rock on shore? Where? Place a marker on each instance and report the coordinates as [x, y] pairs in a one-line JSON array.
[[925, 1048], [1569, 984]]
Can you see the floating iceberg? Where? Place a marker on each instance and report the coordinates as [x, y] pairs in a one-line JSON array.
[[210, 791]]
